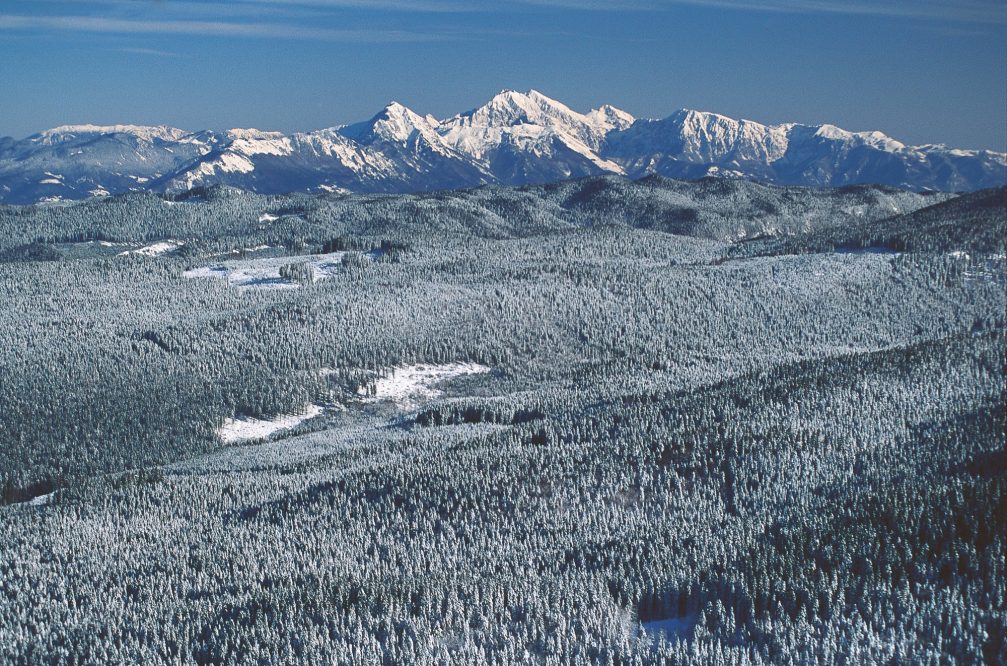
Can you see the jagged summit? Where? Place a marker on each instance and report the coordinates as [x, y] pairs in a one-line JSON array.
[[609, 117], [395, 122], [514, 138], [510, 107]]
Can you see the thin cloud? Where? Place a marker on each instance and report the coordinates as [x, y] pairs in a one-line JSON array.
[[431, 6], [236, 7], [972, 11], [986, 11], [207, 28], [150, 52]]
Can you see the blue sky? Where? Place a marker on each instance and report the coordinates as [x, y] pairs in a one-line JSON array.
[[923, 71]]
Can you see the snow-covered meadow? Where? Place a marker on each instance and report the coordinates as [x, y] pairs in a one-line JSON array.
[[407, 386], [264, 273], [248, 429]]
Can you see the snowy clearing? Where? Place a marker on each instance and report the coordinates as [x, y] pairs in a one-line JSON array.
[[41, 500], [154, 249], [406, 385], [246, 429], [264, 273]]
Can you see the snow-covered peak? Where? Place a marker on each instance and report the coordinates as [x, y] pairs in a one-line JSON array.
[[534, 125], [833, 132], [398, 122], [710, 136], [395, 123], [874, 139], [608, 117], [698, 121], [509, 108], [514, 138], [69, 132]]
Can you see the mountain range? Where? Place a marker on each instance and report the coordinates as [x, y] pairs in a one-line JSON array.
[[514, 139]]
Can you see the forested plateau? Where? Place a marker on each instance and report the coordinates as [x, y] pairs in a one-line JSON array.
[[594, 422]]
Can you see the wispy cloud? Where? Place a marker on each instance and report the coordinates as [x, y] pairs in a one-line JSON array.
[[983, 11], [962, 10], [994, 11], [442, 6], [320, 20], [236, 7], [150, 52], [209, 28]]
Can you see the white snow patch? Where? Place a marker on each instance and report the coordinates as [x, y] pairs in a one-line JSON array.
[[243, 251], [225, 162], [246, 429], [50, 181], [255, 142], [41, 500], [233, 163], [333, 189], [405, 385], [264, 273], [154, 249]]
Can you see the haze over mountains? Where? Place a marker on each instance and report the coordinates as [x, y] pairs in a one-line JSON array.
[[514, 139]]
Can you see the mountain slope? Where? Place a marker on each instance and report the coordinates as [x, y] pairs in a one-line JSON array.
[[527, 138], [974, 223], [420, 154], [78, 161], [514, 139], [691, 144]]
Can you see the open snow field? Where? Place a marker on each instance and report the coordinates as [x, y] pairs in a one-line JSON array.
[[406, 386], [264, 273], [154, 249], [248, 429]]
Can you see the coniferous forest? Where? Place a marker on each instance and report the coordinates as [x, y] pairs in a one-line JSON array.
[[595, 422]]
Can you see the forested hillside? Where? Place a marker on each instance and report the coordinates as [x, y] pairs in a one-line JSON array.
[[601, 421]]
